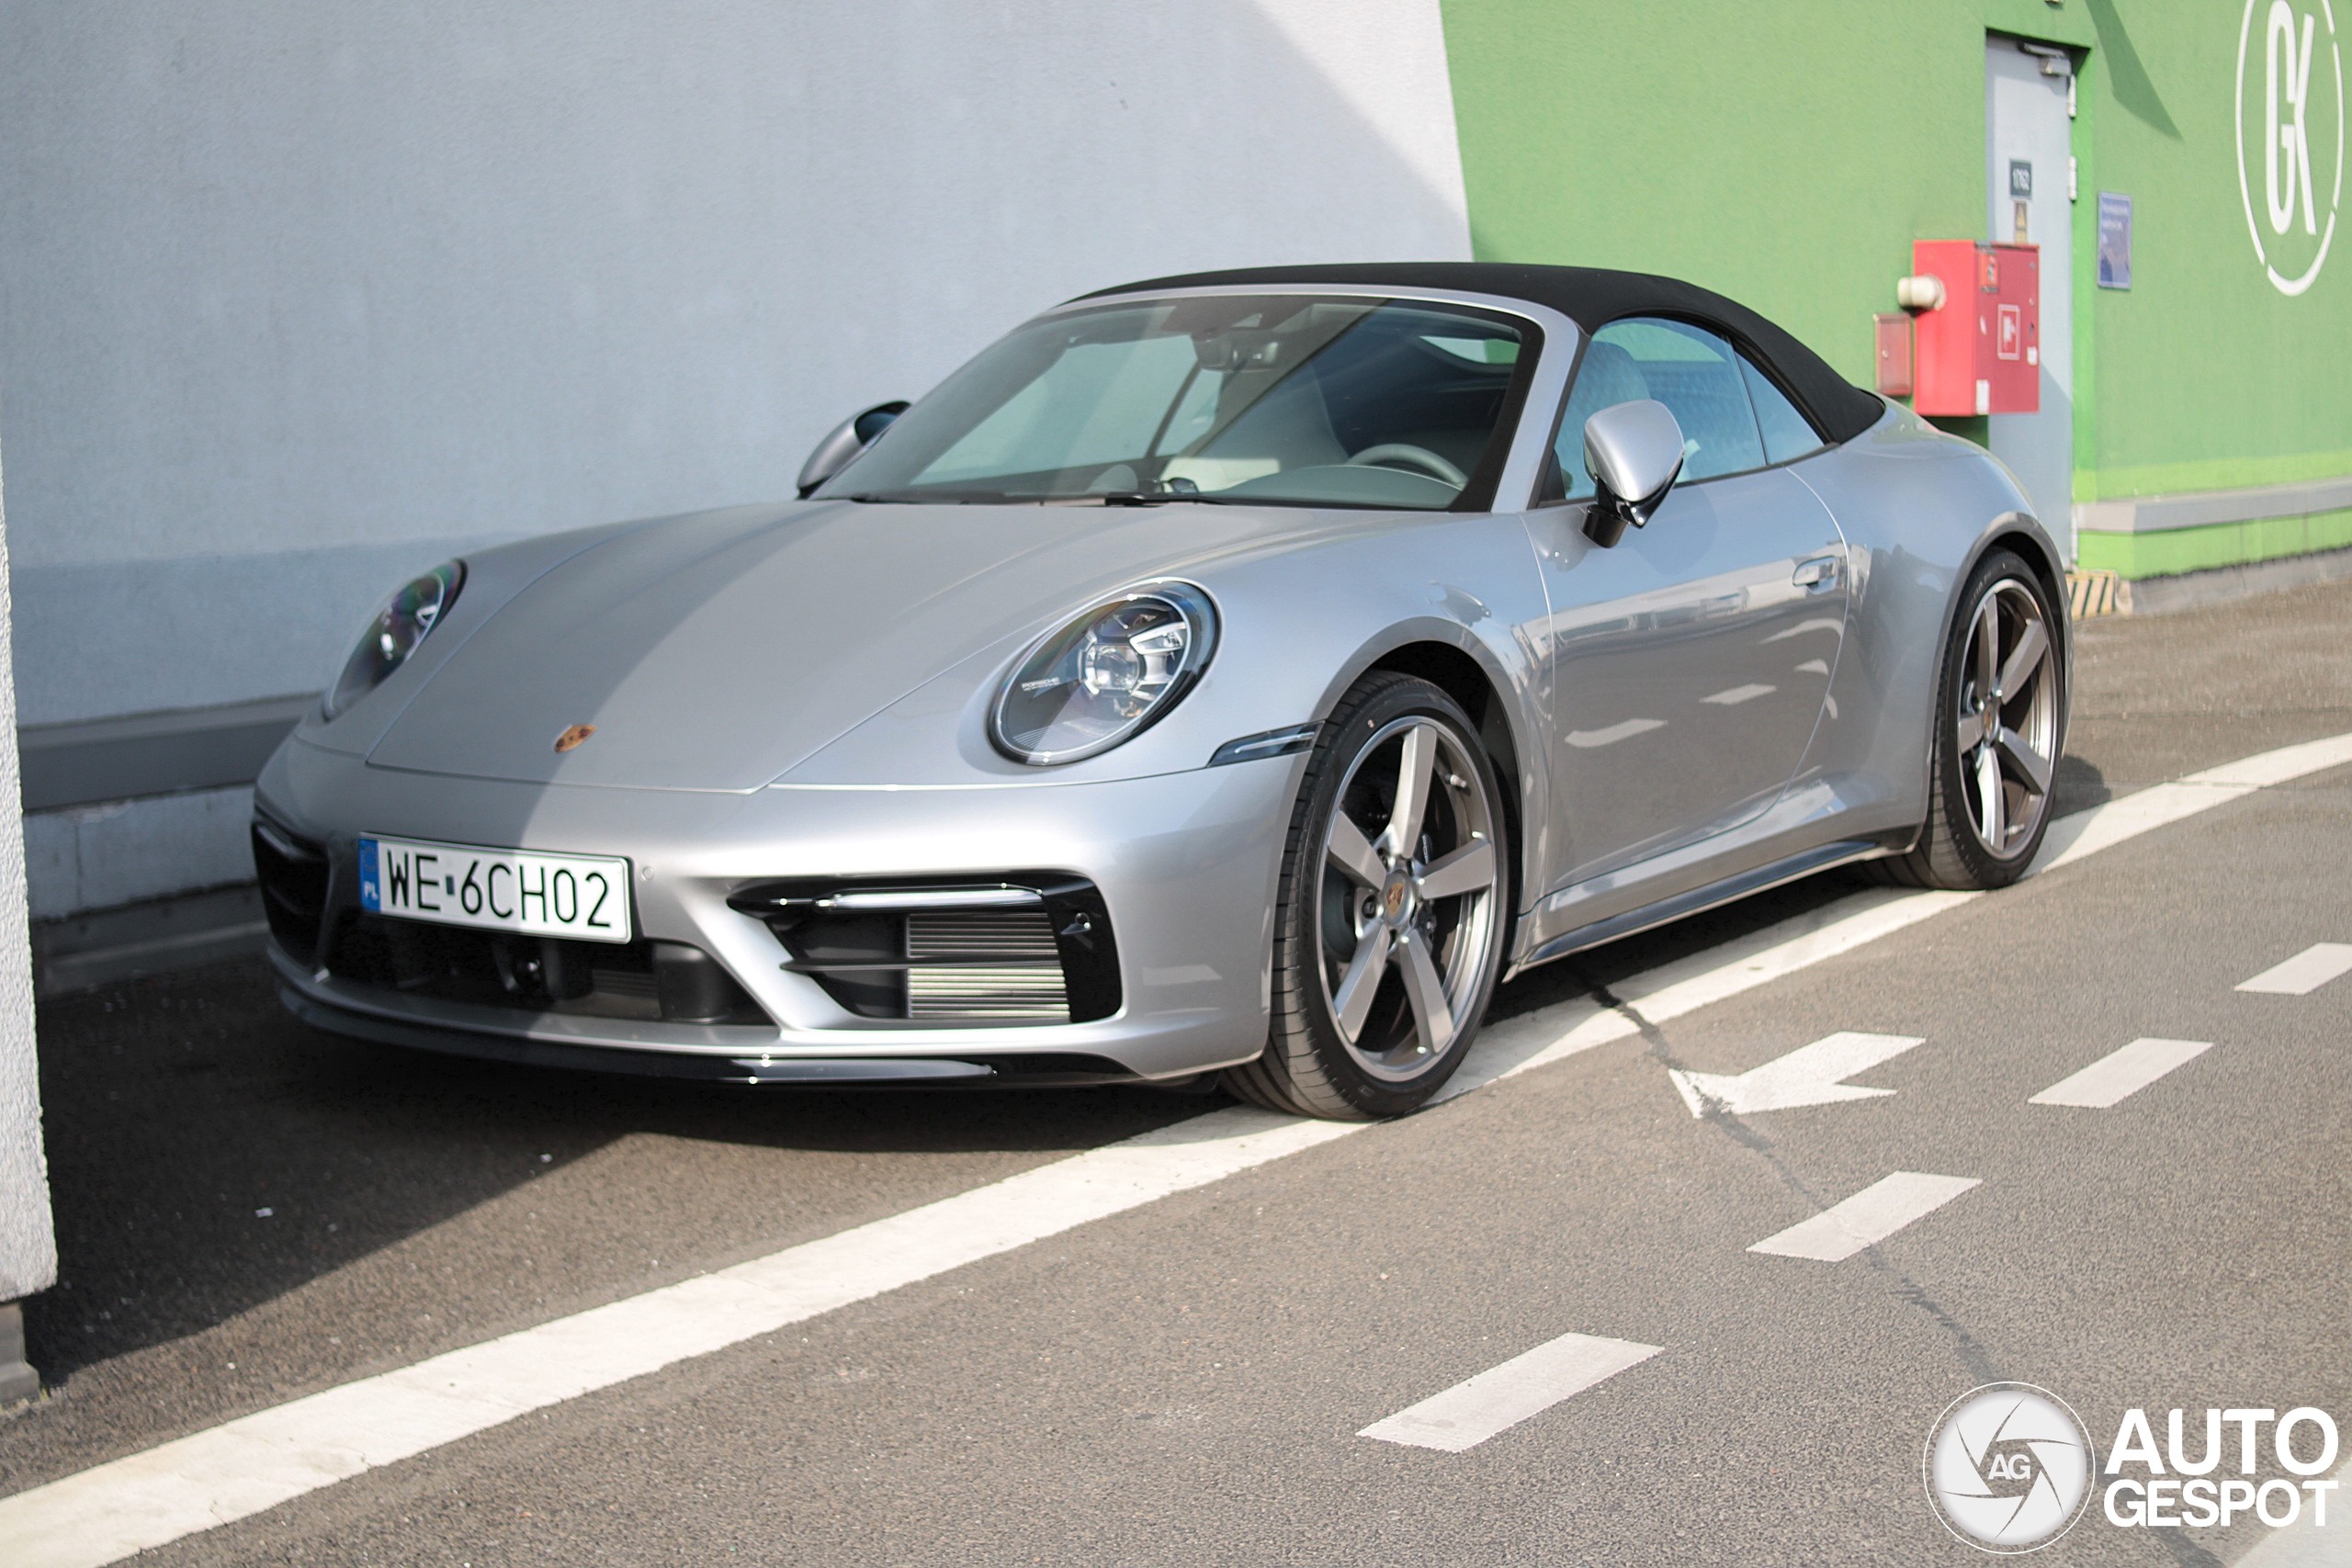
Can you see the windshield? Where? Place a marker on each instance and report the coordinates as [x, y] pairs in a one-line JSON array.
[[1293, 399]]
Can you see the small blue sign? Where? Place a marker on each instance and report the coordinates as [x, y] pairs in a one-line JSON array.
[[2114, 241]]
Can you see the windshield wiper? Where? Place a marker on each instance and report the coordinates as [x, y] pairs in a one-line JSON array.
[[1131, 498], [987, 498]]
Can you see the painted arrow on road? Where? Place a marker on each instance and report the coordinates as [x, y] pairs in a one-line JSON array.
[[1806, 1075]]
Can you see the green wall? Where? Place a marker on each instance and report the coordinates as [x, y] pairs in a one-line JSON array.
[[2208, 377], [1788, 154]]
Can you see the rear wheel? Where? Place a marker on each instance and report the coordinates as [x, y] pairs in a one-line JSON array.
[[2000, 714], [1389, 928]]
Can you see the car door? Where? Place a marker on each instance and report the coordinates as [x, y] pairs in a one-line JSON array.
[[1689, 664]]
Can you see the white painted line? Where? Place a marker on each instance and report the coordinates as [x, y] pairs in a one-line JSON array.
[[2284, 765], [1673, 989], [226, 1472], [1806, 1075], [1739, 694], [108, 1513], [1501, 1397], [1566, 1028], [2071, 839], [2304, 972], [2121, 1072], [1867, 1218], [2304, 1543]]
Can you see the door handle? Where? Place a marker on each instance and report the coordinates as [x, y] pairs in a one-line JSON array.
[[1818, 574]]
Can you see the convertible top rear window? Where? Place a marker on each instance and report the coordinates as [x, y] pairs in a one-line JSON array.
[[1284, 399]]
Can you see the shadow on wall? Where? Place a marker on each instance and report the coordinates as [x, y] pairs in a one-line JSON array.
[[2133, 88]]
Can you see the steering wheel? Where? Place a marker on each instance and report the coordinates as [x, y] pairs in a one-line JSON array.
[[1393, 452]]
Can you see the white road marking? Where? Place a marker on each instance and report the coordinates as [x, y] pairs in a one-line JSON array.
[[2121, 1072], [1806, 1075], [1501, 1397], [108, 1513], [2087, 832], [2304, 972], [1867, 1218], [1814, 667], [1568, 1029], [2305, 1543], [1738, 694], [1587, 740], [225, 1472]]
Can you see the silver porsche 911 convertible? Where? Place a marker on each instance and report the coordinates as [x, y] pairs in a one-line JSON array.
[[1235, 674]]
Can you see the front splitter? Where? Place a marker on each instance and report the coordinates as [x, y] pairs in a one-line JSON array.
[[831, 1072]]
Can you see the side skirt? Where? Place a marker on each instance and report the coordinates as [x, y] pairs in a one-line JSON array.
[[1699, 899]]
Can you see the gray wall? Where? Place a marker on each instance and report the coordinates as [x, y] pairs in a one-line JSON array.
[[297, 297], [294, 295]]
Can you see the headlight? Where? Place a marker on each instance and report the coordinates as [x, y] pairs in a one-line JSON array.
[[1106, 676], [395, 633]]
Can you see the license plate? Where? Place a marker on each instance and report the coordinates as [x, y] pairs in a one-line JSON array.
[[582, 896]]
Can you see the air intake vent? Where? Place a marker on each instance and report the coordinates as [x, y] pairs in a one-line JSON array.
[[998, 965], [670, 981], [1024, 948], [293, 875]]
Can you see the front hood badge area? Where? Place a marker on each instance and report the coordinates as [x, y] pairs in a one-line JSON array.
[[574, 737]]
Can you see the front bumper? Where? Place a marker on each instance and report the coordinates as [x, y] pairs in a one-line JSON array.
[[1185, 865]]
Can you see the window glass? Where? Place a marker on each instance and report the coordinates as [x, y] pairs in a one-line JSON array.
[[1693, 372], [1288, 400], [1089, 408], [1786, 432]]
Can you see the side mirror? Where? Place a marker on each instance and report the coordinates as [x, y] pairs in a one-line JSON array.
[[1634, 454], [849, 438]]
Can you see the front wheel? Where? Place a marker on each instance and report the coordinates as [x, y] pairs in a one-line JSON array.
[[2000, 716], [1389, 927]]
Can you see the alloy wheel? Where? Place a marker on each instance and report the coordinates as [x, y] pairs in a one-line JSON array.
[[1410, 880], [2007, 722]]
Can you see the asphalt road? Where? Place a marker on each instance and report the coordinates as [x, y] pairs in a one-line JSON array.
[[1182, 1382]]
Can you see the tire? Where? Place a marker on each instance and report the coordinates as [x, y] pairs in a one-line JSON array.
[[1384, 963], [2007, 746]]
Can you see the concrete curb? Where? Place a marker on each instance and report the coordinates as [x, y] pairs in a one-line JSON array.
[[2196, 590], [154, 938]]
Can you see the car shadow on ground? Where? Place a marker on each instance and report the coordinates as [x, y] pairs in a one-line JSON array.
[[2077, 787], [208, 1151]]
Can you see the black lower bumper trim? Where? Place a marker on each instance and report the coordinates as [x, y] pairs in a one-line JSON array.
[[831, 1072]]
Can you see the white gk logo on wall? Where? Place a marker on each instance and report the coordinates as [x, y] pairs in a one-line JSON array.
[[2280, 127]]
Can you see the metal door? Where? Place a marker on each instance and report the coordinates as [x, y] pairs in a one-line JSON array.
[[1688, 664], [2028, 186]]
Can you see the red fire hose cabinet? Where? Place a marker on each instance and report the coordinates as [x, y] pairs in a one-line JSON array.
[[1980, 351]]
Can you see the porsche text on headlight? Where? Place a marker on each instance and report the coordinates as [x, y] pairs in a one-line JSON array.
[[399, 627], [1107, 675]]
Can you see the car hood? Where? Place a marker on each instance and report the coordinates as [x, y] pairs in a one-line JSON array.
[[714, 651]]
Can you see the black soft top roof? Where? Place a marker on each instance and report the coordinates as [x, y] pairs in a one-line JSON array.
[[1592, 297]]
